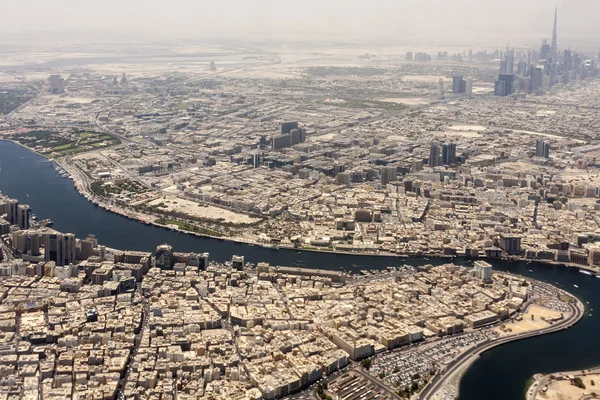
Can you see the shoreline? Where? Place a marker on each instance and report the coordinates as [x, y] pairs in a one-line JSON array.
[[122, 211], [465, 361], [541, 380]]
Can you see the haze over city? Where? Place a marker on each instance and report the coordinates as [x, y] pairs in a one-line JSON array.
[[467, 22]]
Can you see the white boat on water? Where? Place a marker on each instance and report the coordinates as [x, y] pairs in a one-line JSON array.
[[576, 287], [585, 272]]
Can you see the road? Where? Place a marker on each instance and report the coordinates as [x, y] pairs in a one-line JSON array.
[[440, 379]]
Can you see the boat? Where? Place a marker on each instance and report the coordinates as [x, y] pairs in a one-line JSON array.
[[576, 287], [585, 272], [531, 270]]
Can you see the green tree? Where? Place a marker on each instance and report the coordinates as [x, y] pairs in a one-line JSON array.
[[366, 363], [579, 383]]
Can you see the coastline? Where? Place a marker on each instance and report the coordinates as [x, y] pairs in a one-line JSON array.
[[122, 211], [464, 362], [541, 380]]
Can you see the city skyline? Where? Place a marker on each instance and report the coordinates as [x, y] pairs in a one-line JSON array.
[[388, 21]]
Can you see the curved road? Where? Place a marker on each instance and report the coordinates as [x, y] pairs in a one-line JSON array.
[[449, 370]]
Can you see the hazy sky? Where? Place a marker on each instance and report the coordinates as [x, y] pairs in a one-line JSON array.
[[492, 20]]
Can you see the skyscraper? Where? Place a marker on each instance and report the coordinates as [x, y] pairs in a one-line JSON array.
[[434, 155], [164, 256], [459, 85], [554, 48], [13, 206], [57, 84], [542, 148], [449, 153], [23, 215], [505, 85], [510, 61], [441, 88], [545, 50], [388, 174], [59, 248], [469, 87]]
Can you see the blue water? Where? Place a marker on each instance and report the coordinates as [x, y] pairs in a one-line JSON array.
[[500, 374]]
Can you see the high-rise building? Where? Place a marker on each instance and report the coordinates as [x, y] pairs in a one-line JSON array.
[[57, 84], [537, 78], [522, 68], [291, 134], [525, 84], [469, 87], [510, 61], [23, 215], [434, 155], [33, 243], [545, 50], [505, 85], [554, 47], [388, 174], [12, 211], [441, 88], [459, 85], [449, 153], [542, 149], [60, 248], [470, 55], [503, 67], [164, 256], [409, 56], [286, 127], [483, 270], [510, 244]]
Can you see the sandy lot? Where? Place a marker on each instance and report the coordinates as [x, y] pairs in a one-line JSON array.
[[467, 128], [200, 211], [547, 135], [532, 320], [409, 101], [564, 390]]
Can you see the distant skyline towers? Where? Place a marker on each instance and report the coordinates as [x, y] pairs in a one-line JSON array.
[[505, 85], [510, 61], [545, 50], [441, 88], [554, 47]]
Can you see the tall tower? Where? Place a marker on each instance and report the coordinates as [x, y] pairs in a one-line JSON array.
[[554, 38]]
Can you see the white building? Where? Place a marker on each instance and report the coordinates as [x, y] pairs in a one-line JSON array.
[[483, 270]]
